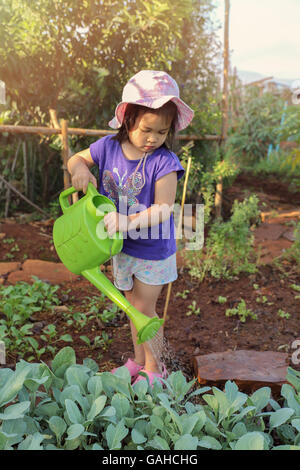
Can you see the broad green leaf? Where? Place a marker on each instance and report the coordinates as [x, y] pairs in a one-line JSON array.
[[96, 407], [94, 386], [115, 434], [137, 437], [186, 442], [296, 424], [15, 411], [32, 442], [58, 426], [77, 375], [260, 398], [250, 441], [209, 442], [289, 394], [73, 412], [47, 409], [64, 358], [280, 417], [121, 405], [5, 440], [74, 431], [13, 385], [159, 443]]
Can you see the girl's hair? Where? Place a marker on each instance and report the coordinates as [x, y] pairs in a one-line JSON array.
[[168, 110]]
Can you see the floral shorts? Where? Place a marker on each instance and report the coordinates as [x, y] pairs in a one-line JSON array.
[[154, 272]]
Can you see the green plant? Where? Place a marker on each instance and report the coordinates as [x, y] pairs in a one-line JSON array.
[[192, 309], [241, 311], [108, 314], [229, 245], [17, 304], [74, 406], [282, 314], [292, 254], [222, 300], [50, 338], [183, 294]]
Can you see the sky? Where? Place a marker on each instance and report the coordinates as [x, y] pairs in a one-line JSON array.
[[264, 36]]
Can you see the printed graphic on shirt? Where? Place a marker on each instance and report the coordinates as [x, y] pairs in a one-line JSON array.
[[118, 192]]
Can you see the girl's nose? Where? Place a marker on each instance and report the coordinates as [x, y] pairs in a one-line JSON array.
[[151, 138]]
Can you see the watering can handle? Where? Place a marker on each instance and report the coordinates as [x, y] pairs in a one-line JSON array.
[[63, 197]]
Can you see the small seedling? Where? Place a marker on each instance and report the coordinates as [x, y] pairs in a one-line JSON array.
[[222, 300], [282, 314], [242, 312], [183, 294], [192, 309]]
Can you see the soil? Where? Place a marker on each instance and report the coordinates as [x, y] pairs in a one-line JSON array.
[[187, 335]]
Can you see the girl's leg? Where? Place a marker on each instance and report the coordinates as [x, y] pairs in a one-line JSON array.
[[144, 297]]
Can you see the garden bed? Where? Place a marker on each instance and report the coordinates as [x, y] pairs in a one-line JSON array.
[[189, 333]]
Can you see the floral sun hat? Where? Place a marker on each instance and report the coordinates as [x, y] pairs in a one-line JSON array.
[[152, 89]]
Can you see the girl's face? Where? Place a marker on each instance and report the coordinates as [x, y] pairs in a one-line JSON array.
[[149, 132]]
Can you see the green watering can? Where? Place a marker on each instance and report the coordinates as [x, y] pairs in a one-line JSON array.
[[82, 244]]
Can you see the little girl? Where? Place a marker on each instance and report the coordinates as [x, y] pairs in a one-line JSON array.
[[138, 171]]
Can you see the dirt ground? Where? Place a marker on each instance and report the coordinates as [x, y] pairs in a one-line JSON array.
[[188, 335]]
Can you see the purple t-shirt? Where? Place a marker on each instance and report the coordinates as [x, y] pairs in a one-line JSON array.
[[133, 192]]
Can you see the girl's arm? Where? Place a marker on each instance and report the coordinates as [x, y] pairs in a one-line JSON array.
[[79, 167], [165, 193]]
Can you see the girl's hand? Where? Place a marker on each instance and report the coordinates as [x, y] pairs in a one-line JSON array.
[[81, 179], [115, 222]]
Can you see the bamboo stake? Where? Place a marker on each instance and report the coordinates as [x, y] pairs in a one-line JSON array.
[[65, 152], [179, 226], [219, 186], [54, 120], [8, 191]]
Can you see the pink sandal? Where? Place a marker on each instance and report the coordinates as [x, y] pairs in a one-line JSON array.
[[132, 366]]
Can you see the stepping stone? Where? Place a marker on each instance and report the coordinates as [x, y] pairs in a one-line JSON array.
[[6, 268], [269, 231], [55, 273], [249, 369]]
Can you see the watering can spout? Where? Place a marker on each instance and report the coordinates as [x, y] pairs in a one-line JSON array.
[[146, 327]]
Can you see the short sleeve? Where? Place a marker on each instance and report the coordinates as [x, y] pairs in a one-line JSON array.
[[97, 150], [168, 163]]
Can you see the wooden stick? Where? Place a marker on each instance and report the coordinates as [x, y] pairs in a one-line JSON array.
[[65, 152], [10, 186], [86, 132], [55, 123], [179, 226]]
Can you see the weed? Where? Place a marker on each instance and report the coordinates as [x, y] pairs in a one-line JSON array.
[[192, 309], [222, 300], [241, 311], [282, 314], [183, 294], [229, 245]]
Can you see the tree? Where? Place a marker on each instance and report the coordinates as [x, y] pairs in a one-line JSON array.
[[49, 48]]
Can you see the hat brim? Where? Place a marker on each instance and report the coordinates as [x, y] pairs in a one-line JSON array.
[[185, 113]]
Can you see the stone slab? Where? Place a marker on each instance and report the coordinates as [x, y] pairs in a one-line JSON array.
[[55, 273], [6, 268], [247, 368], [269, 231]]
